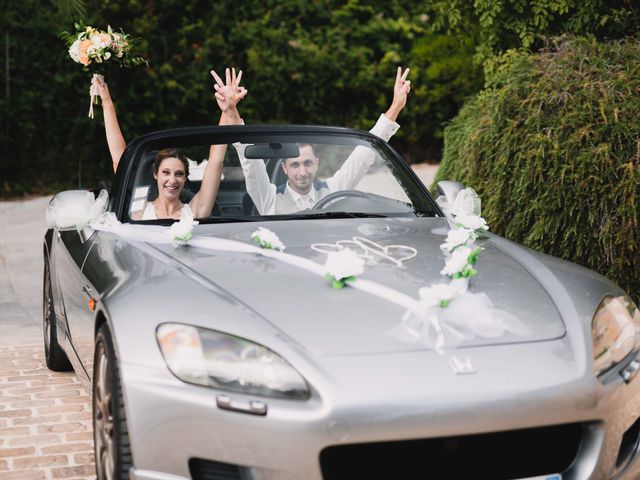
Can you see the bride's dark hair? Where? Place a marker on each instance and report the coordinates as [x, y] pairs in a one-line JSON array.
[[171, 153]]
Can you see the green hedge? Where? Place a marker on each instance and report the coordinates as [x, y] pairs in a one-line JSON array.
[[552, 146]]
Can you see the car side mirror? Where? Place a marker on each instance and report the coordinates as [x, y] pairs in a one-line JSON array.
[[449, 189], [75, 208]]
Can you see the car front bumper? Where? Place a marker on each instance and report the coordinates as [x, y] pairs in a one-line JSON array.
[[172, 423]]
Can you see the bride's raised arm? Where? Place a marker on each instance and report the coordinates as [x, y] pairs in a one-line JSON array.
[[115, 140], [228, 94]]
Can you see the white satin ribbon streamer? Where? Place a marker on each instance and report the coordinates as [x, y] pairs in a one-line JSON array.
[[469, 316], [426, 322], [94, 93], [157, 234]]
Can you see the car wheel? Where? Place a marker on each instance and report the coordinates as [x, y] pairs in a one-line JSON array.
[[54, 356], [110, 434]]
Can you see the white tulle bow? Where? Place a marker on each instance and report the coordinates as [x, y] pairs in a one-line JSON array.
[[75, 208]]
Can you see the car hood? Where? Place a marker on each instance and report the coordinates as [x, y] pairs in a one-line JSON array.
[[304, 306]]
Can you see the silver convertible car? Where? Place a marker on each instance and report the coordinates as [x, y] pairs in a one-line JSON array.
[[229, 355]]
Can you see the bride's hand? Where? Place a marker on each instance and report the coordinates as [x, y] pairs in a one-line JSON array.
[[100, 87], [228, 94]]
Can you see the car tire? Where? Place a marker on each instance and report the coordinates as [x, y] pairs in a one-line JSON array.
[[55, 357], [111, 436]]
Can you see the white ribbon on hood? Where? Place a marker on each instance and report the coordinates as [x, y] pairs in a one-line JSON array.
[[468, 316]]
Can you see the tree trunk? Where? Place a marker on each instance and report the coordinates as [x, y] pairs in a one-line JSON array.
[[7, 70], [7, 91]]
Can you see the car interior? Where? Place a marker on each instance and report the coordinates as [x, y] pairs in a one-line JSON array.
[[379, 191], [232, 199]]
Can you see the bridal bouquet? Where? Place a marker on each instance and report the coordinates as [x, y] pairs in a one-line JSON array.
[[99, 51]]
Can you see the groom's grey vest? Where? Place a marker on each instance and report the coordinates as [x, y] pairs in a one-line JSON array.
[[285, 203]]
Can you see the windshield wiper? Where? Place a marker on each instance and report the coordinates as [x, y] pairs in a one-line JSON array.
[[304, 216], [259, 218], [204, 221]]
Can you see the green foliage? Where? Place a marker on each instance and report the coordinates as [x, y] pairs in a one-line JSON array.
[[552, 148], [107, 58], [324, 62], [505, 24], [70, 9], [443, 77]]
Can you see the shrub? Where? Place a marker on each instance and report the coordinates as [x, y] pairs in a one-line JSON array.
[[552, 146]]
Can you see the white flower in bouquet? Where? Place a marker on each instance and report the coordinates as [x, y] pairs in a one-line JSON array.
[[99, 51], [74, 51], [267, 239], [456, 238], [343, 266]]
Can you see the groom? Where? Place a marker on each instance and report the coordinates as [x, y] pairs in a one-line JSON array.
[[302, 191]]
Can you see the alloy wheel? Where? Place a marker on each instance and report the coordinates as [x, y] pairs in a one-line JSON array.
[[103, 421], [47, 311]]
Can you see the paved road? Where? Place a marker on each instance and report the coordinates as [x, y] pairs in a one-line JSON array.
[[45, 417]]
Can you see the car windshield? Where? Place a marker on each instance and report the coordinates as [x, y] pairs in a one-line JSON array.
[[284, 176]]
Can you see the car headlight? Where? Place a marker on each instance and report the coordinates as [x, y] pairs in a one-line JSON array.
[[215, 359], [615, 332]]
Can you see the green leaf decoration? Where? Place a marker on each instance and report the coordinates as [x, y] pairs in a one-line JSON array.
[[473, 256], [339, 283], [468, 272]]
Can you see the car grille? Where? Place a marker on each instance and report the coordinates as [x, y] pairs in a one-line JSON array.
[[500, 455], [210, 470]]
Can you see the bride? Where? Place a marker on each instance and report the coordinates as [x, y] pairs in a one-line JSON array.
[[171, 167]]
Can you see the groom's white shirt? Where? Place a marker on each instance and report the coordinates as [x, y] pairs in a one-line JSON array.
[[264, 193]]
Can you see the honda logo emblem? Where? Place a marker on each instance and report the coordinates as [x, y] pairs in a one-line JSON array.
[[461, 365]]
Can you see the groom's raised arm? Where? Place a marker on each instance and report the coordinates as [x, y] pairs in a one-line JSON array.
[[358, 163], [258, 185], [227, 94]]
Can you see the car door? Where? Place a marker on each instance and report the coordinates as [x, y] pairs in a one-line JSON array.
[[72, 247]]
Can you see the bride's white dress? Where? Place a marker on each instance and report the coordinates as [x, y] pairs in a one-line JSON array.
[[149, 213]]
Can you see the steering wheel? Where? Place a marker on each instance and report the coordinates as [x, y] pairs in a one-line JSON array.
[[323, 202]]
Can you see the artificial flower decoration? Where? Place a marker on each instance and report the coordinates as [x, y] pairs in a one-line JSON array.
[[464, 211], [458, 237], [267, 239], [440, 294], [472, 222], [181, 231], [457, 261], [460, 263], [461, 252], [343, 266]]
